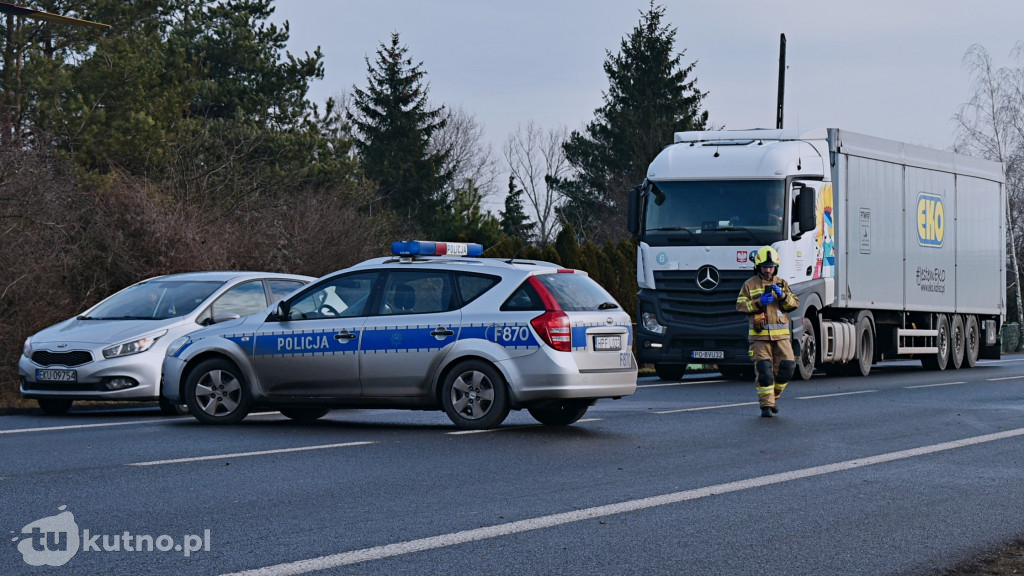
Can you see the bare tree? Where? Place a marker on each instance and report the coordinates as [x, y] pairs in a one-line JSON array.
[[471, 157], [535, 157], [991, 125]]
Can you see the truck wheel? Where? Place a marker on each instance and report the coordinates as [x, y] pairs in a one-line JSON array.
[[972, 339], [865, 348], [670, 372], [808, 352], [957, 342], [941, 358]]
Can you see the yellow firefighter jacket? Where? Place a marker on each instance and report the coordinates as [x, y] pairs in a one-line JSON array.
[[771, 322]]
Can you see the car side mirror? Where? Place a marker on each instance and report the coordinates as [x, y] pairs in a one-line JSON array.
[[224, 318], [282, 310]]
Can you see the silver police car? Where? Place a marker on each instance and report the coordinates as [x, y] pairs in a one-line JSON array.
[[434, 327], [114, 350]]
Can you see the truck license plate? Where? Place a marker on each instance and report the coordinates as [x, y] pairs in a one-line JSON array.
[[607, 343], [57, 375], [708, 354]]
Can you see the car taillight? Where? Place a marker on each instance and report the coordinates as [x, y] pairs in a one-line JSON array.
[[554, 330], [553, 324]]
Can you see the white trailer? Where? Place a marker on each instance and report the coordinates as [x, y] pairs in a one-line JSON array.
[[895, 250]]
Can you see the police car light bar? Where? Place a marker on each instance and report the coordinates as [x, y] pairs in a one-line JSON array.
[[421, 248]]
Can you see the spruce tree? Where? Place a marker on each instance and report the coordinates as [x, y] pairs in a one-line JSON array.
[[650, 96], [514, 221], [394, 124]]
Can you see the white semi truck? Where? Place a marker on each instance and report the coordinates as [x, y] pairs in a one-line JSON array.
[[895, 251]]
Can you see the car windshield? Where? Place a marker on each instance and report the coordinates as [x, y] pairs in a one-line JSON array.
[[155, 300], [715, 213]]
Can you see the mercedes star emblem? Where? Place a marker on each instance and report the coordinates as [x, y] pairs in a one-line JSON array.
[[708, 278]]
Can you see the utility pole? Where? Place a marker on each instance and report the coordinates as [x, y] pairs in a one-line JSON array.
[[782, 80]]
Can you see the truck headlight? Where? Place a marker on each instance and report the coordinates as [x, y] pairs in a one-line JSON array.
[[132, 346], [650, 323]]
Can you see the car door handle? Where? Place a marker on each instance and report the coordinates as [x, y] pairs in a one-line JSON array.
[[346, 335], [441, 333]]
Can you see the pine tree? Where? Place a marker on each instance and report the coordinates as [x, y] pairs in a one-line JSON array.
[[514, 221], [394, 125], [650, 96]]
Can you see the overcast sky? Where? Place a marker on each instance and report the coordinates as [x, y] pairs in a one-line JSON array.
[[891, 68]]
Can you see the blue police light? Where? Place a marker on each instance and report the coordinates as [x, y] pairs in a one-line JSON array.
[[422, 248]]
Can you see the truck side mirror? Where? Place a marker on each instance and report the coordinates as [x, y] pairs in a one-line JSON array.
[[633, 214], [805, 205]]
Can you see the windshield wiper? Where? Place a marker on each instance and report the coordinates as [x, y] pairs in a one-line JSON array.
[[750, 232], [676, 229], [607, 306]]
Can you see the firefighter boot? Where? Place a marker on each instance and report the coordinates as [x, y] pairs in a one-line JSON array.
[[765, 388]]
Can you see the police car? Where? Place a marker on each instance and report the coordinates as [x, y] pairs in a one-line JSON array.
[[433, 327]]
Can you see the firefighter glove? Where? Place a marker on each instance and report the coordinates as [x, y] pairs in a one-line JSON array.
[[767, 298], [778, 290]]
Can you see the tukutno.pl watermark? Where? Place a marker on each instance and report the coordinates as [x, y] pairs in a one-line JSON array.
[[54, 540]]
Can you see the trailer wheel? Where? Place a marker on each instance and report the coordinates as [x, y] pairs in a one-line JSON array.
[[941, 358], [972, 339], [957, 342], [808, 352], [865, 347]]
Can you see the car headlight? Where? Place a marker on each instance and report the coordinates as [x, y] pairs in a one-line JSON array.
[[178, 344], [650, 323], [27, 348], [132, 346]]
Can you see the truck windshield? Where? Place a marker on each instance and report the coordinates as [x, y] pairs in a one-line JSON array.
[[715, 212]]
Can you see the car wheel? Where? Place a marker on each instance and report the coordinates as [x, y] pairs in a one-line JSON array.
[[216, 392], [54, 406], [474, 396], [559, 412], [670, 372], [168, 409], [305, 414]]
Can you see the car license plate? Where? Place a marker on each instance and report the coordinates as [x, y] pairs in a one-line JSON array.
[[607, 343], [57, 375], [708, 354]]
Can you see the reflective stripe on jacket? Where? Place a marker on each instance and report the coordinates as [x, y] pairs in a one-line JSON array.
[[774, 318]]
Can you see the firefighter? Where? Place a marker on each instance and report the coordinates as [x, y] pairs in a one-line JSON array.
[[765, 299]]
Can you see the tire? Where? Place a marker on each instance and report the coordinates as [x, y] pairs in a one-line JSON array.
[[168, 409], [972, 341], [957, 342], [217, 393], [305, 413], [54, 406], [670, 372], [808, 352], [737, 372], [861, 366], [559, 412], [941, 358], [474, 396]]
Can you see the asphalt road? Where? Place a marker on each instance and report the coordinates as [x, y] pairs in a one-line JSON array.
[[903, 472]]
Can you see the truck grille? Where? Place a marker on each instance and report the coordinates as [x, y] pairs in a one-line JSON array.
[[683, 302], [72, 358]]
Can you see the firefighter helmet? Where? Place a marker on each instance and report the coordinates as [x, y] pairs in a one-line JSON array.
[[765, 256]]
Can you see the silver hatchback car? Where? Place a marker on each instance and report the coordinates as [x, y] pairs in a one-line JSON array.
[[114, 350], [432, 328]]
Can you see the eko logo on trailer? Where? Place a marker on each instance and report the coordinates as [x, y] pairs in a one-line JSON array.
[[931, 220]]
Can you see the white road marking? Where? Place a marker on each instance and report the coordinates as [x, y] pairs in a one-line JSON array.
[[686, 383], [1005, 378], [529, 524], [78, 426], [243, 454], [934, 385], [715, 407], [834, 395]]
